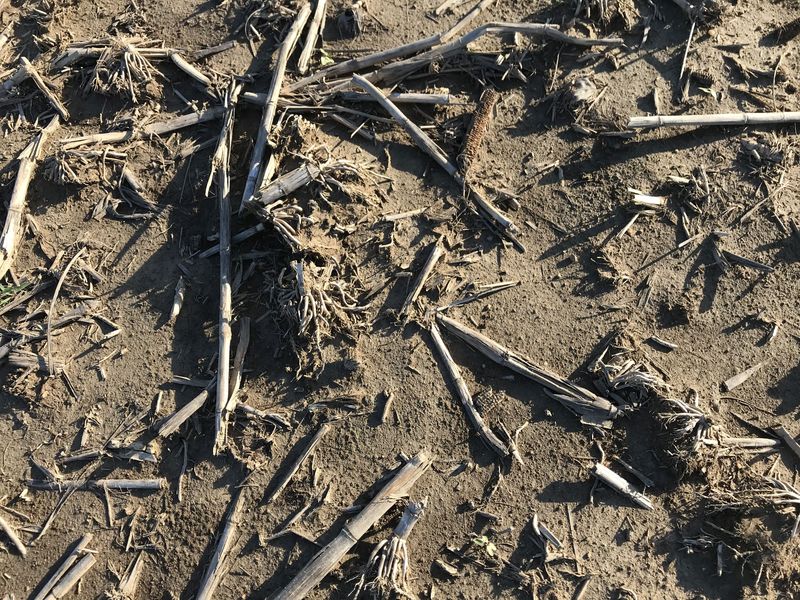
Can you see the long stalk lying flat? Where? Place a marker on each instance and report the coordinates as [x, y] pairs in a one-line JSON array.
[[581, 400], [503, 223], [221, 166], [214, 572], [254, 173], [153, 129], [80, 549], [295, 466], [362, 62], [12, 230], [327, 558], [462, 391], [769, 118], [314, 29], [129, 485], [396, 71], [400, 98]]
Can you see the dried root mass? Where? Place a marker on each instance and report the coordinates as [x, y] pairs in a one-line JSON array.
[[320, 301]]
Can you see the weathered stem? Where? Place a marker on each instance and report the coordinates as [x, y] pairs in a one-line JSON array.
[[131, 485], [12, 230], [769, 118], [579, 399], [214, 572], [362, 62], [221, 165], [188, 68], [80, 548], [430, 263], [243, 235], [11, 534], [288, 183], [153, 129], [466, 19], [395, 71], [170, 424], [314, 30], [503, 223], [72, 577], [44, 88], [254, 173], [619, 485], [400, 98], [295, 466], [327, 558], [462, 391], [238, 368]]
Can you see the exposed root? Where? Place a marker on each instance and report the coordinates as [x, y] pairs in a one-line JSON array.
[[123, 70], [320, 301], [386, 574], [608, 12]]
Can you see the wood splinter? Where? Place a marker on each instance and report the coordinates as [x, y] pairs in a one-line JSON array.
[[738, 379], [129, 582]]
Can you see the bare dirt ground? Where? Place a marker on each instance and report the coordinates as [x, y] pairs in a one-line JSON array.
[[562, 174]]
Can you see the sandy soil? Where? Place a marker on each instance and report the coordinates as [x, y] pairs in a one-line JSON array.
[[571, 191]]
